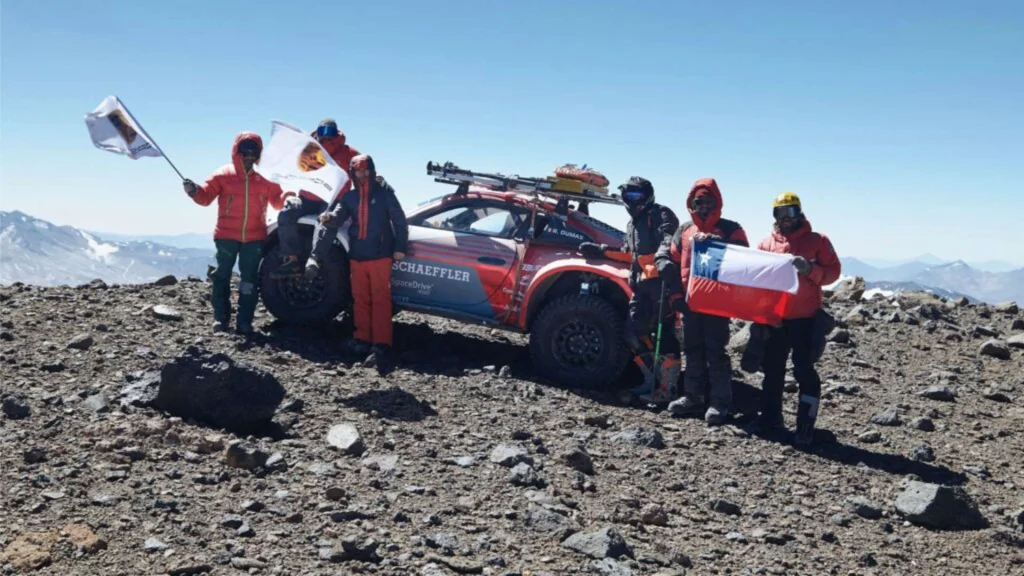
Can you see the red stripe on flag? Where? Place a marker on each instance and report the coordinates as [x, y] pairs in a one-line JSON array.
[[752, 304]]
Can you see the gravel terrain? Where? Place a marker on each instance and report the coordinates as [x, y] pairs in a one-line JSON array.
[[136, 441]]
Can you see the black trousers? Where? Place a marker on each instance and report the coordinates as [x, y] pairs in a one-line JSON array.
[[796, 336], [704, 340], [643, 318]]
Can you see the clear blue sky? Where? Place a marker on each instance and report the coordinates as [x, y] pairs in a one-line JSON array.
[[901, 124]]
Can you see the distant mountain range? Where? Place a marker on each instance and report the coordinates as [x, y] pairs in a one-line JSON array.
[[37, 252], [945, 278]]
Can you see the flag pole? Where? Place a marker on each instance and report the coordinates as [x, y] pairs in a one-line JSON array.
[[150, 138]]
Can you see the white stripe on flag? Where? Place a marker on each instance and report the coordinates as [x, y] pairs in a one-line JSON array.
[[755, 268]]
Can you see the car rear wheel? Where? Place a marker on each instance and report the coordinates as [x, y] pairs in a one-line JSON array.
[[578, 341], [296, 301]]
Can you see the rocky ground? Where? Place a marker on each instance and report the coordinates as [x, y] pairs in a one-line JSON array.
[[464, 462]]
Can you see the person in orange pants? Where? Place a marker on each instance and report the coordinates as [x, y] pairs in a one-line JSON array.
[[377, 237]]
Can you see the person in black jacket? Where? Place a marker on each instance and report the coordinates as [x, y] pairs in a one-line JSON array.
[[650, 226], [377, 237]]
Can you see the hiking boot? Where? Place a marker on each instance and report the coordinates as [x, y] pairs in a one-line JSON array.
[[312, 271], [356, 347], [767, 424], [220, 326], [716, 415], [290, 267], [804, 436], [244, 328], [686, 406], [380, 357]]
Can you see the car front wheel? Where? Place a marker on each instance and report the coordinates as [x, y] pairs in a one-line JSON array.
[[579, 341], [296, 301]]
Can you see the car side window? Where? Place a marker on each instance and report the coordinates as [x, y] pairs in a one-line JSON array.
[[485, 219]]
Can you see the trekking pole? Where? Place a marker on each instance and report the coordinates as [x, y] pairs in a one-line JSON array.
[[657, 342]]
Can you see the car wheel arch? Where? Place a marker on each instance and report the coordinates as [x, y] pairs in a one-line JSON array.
[[558, 284]]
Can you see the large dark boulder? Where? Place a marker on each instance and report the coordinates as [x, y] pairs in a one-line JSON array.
[[214, 389]]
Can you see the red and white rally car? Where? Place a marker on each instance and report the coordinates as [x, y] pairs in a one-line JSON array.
[[499, 251]]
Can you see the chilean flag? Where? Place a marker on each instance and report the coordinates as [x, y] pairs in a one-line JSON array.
[[740, 282]]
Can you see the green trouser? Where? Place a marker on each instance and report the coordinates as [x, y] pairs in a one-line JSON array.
[[249, 255]]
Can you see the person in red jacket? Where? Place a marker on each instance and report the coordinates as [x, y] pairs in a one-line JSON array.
[[818, 265], [705, 336], [307, 203], [377, 237], [242, 196]]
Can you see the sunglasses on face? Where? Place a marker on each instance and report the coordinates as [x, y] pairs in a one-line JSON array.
[[784, 212], [704, 202]]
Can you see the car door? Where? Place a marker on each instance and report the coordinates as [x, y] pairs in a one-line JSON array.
[[460, 256]]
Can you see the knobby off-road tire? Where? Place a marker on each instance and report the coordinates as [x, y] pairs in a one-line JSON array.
[[578, 341], [295, 301]]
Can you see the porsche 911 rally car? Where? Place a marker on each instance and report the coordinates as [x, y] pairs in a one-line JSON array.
[[498, 251]]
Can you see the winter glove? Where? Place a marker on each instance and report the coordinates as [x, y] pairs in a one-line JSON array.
[[190, 187], [292, 202], [803, 267], [591, 250]]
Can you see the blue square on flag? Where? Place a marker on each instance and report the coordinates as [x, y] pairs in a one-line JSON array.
[[707, 259]]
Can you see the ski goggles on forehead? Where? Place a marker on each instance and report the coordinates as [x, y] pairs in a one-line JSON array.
[[783, 212], [327, 131]]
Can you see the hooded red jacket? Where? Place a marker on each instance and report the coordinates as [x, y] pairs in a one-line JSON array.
[[677, 254], [825, 266], [242, 198]]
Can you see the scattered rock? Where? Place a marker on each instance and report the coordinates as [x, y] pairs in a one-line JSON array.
[[509, 456], [939, 392], [97, 403], [169, 280], [922, 453], [939, 507], [1008, 307], [15, 407], [1016, 341], [523, 474], [346, 438], [725, 507], [578, 459], [923, 424], [996, 396], [870, 437], [864, 508], [81, 341], [605, 543], [239, 454], [888, 417], [996, 349], [654, 515], [640, 436], [165, 312]]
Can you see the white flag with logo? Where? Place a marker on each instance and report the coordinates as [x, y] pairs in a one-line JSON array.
[[294, 160], [112, 128]]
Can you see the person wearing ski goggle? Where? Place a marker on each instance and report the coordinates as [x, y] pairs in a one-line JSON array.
[[801, 331], [705, 336], [650, 226], [242, 196], [307, 203]]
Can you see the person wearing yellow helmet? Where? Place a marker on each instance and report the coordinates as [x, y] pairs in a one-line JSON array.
[[817, 264]]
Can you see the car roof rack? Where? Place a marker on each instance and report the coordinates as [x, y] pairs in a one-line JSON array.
[[558, 188]]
